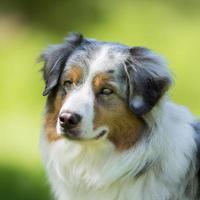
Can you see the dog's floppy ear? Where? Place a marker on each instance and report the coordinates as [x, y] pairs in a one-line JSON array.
[[55, 58], [148, 79]]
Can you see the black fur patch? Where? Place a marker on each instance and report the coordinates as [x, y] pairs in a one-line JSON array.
[[196, 127], [148, 80], [55, 58]]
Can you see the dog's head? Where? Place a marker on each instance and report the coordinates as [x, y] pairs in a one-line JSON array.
[[101, 89]]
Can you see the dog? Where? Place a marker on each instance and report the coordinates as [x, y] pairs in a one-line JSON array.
[[110, 131]]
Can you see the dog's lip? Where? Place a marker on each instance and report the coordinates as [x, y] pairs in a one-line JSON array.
[[101, 134], [72, 137], [74, 134]]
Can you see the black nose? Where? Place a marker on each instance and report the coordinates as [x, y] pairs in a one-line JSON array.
[[69, 120]]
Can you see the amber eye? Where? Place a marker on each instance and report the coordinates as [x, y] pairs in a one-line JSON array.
[[106, 91], [68, 84]]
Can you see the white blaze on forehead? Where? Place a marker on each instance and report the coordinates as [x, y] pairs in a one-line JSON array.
[[98, 62], [81, 101], [104, 59]]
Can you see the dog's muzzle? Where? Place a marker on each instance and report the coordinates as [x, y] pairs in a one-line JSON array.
[[69, 122]]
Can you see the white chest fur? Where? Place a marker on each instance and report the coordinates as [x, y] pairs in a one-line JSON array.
[[152, 170]]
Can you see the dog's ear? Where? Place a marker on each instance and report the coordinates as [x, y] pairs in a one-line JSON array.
[[55, 58], [148, 79]]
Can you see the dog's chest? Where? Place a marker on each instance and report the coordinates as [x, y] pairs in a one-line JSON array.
[[82, 176], [75, 188], [85, 175], [71, 190]]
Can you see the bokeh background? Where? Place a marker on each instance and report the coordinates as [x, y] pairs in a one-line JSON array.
[[170, 27]]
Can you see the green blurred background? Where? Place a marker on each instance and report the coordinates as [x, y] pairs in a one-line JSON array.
[[171, 28]]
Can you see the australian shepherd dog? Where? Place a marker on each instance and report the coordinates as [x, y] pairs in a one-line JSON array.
[[110, 131]]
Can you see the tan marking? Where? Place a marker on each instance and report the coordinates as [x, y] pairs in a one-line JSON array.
[[55, 102], [74, 74], [125, 128], [53, 108], [100, 80]]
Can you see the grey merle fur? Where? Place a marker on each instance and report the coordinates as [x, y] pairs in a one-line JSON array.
[[55, 58], [196, 126], [147, 79]]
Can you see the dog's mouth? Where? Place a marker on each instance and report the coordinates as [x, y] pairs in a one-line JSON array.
[[101, 134], [74, 134]]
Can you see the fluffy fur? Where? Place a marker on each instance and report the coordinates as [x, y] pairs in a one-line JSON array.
[[133, 143]]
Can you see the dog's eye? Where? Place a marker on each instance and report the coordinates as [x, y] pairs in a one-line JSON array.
[[68, 84], [106, 91]]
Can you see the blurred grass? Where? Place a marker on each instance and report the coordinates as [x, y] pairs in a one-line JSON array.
[[23, 184], [168, 27]]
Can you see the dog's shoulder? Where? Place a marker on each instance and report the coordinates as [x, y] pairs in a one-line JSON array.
[[196, 127]]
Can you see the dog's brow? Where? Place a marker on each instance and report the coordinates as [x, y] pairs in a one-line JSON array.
[[75, 71], [111, 71]]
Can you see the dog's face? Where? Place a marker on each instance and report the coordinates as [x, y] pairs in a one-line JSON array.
[[101, 90]]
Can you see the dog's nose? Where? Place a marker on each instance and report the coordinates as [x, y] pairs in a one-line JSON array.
[[69, 120]]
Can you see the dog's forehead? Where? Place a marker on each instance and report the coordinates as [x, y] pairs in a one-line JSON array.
[[106, 58], [98, 57]]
